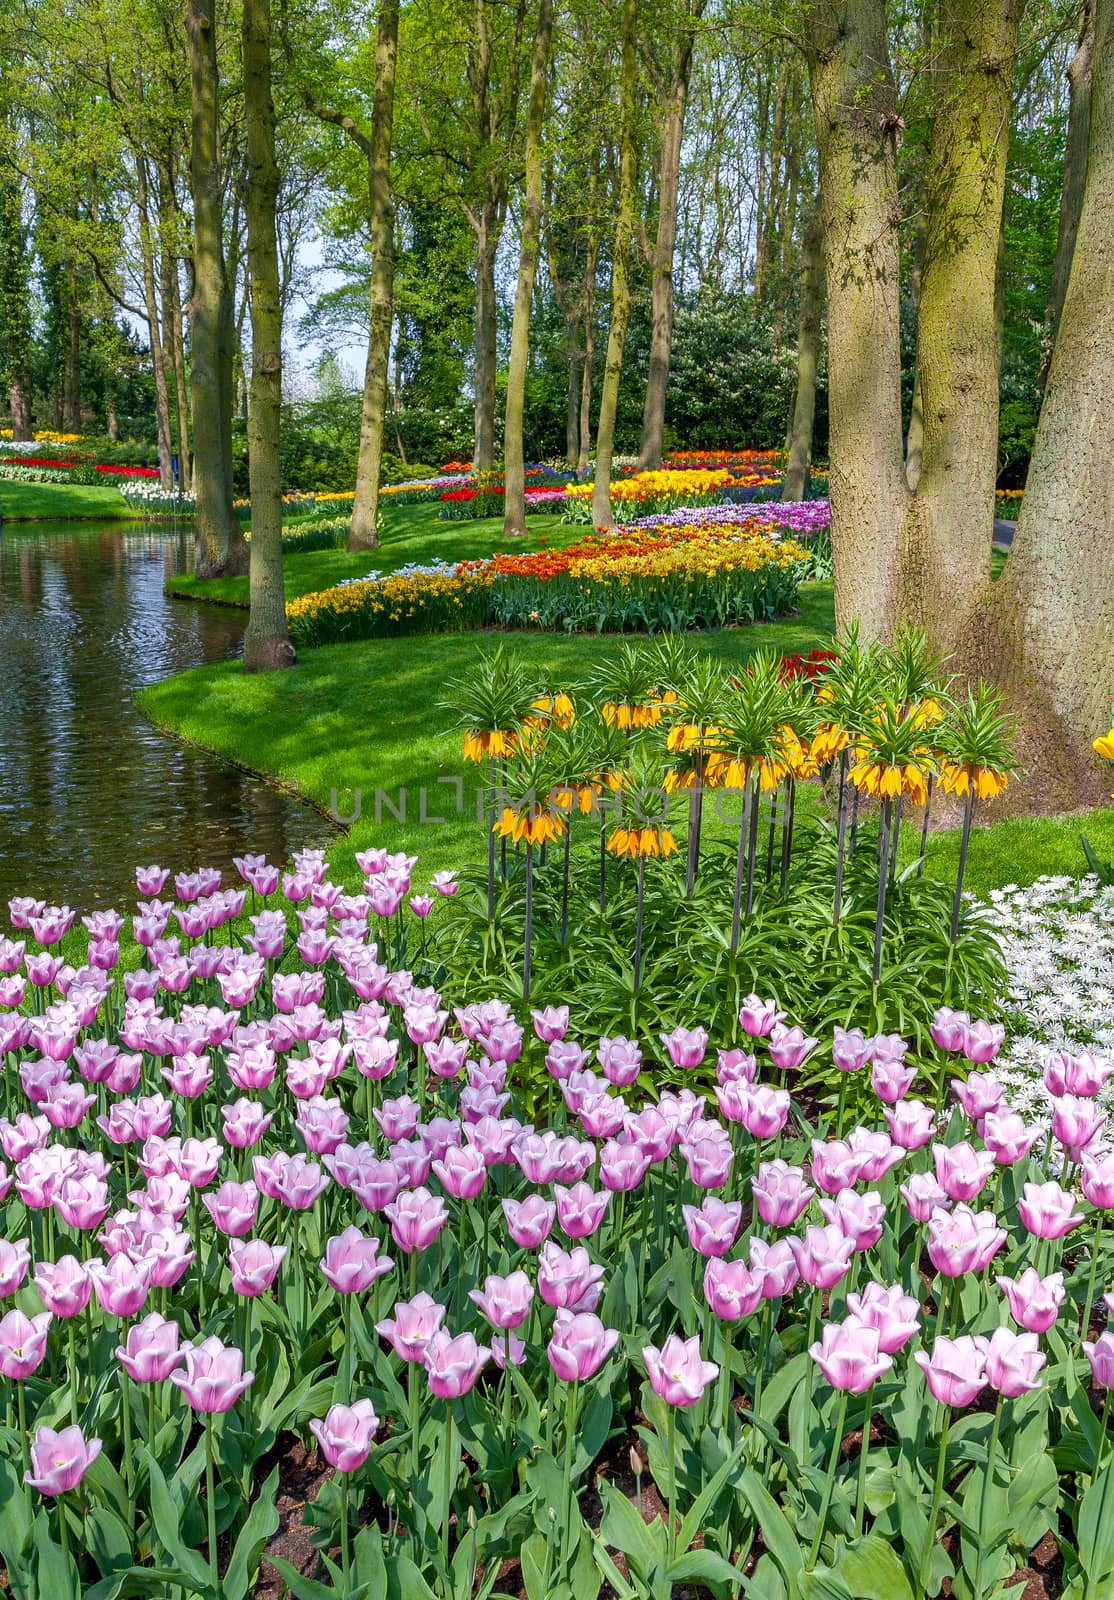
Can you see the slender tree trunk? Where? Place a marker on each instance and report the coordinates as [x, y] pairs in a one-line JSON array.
[[177, 334], [151, 305], [620, 273], [796, 481], [1045, 630], [585, 446], [514, 506], [71, 383], [381, 211], [854, 101], [167, 273], [574, 357], [266, 641], [1075, 172], [661, 258], [486, 328], [947, 537], [15, 308], [219, 546], [112, 421]]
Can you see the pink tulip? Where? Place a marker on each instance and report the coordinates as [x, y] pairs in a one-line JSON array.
[[955, 1371], [416, 1218], [151, 1351], [292, 1180], [622, 1165], [322, 1125], [59, 1460], [961, 1170], [233, 1208], [1013, 1361], [22, 1343], [731, 1289], [566, 1278], [1075, 1122], [529, 1220], [64, 1287], [948, 1029], [849, 1049], [911, 1123], [775, 1267], [789, 1047], [685, 1047], [1034, 1301], [579, 1345], [1079, 1075], [1007, 1138], [759, 1017], [982, 1041], [551, 1024], [963, 1241], [397, 1119], [890, 1311], [14, 1259], [676, 1372], [505, 1302], [859, 1216], [462, 1173], [620, 1060], [121, 1285], [1100, 1355], [352, 1263], [978, 1094], [245, 1123], [780, 1193], [82, 1201], [765, 1111], [253, 1265], [1047, 1211], [735, 1066], [345, 1434], [1097, 1181], [453, 1365], [823, 1255], [835, 1166], [891, 1080], [412, 1326], [580, 1209], [214, 1378], [875, 1152], [850, 1356], [712, 1227]]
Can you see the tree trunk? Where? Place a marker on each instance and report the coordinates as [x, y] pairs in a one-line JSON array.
[[381, 212], [856, 127], [574, 358], [620, 274], [947, 537], [151, 305], [171, 353], [266, 641], [1075, 172], [71, 383], [796, 481], [219, 546], [661, 258], [1045, 630], [15, 309], [486, 326], [914, 439], [112, 421], [514, 464], [589, 299]]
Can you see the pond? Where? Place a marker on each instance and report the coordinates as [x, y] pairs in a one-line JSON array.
[[88, 788]]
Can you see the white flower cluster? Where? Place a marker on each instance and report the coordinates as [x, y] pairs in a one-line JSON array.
[[1057, 936], [150, 494], [412, 569]]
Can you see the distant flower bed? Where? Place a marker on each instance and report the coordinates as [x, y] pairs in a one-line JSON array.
[[1007, 503], [645, 579], [150, 497], [42, 436], [470, 504]]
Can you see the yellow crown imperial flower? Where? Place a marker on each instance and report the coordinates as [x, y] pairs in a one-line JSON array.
[[1104, 746], [644, 841], [537, 827]]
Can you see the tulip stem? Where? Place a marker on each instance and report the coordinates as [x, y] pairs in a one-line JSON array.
[[72, 1346], [934, 1514], [412, 1396], [833, 1462], [638, 919], [529, 933], [22, 1404], [883, 883], [1085, 1325], [988, 1478], [671, 1446], [346, 1367], [345, 1557], [864, 1451], [448, 1491], [841, 1111], [841, 837], [126, 1420], [64, 1538], [211, 1503], [570, 1498], [965, 840], [725, 1375]]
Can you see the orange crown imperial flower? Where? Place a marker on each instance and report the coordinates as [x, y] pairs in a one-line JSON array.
[[645, 841], [984, 782], [480, 743], [535, 827]]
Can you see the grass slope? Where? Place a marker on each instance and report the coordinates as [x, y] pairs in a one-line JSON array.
[[55, 502]]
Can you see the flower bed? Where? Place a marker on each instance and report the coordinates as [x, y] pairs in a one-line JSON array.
[[669, 576], [278, 1192]]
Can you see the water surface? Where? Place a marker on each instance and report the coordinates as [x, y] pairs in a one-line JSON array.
[[88, 788]]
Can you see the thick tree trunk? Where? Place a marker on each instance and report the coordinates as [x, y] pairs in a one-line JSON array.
[[796, 480], [1045, 630], [486, 328], [381, 212], [914, 438], [154, 334], [15, 308], [661, 257], [620, 273], [1075, 172], [947, 537], [266, 641], [219, 546], [856, 126], [514, 464]]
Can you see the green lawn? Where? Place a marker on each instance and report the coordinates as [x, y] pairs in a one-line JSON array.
[[410, 534], [55, 502]]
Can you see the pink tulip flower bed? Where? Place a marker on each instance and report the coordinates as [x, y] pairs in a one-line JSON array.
[[272, 1190]]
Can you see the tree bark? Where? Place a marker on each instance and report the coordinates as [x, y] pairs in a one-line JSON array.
[[661, 257], [620, 273], [15, 309], [173, 358], [914, 439], [856, 134], [486, 328], [218, 539], [154, 334], [1045, 630], [796, 481], [574, 357], [514, 465], [1075, 172], [71, 382], [381, 212], [266, 640], [947, 535]]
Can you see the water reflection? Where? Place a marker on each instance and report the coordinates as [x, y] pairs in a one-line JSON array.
[[88, 788]]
